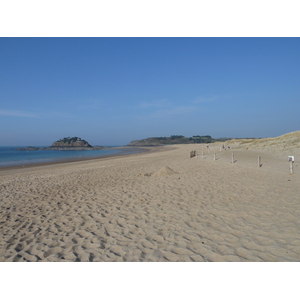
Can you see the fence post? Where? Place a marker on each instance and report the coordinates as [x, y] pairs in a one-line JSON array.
[[291, 167], [291, 160], [193, 153], [232, 158]]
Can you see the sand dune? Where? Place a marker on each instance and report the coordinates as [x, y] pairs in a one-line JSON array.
[[157, 206], [287, 143]]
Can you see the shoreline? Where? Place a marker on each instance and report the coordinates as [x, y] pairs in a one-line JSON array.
[[143, 150]]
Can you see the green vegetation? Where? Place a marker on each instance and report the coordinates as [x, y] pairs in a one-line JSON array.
[[73, 142], [69, 140], [176, 139], [201, 139]]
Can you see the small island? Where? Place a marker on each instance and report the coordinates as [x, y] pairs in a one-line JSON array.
[[29, 148], [67, 143], [74, 143]]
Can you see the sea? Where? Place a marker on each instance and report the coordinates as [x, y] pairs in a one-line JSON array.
[[9, 156]]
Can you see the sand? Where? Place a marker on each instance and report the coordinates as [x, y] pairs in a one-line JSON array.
[[154, 206]]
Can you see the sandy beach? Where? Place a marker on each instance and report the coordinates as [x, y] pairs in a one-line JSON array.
[[160, 205]]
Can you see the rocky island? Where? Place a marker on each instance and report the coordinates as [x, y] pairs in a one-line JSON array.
[[70, 142], [67, 143], [29, 148]]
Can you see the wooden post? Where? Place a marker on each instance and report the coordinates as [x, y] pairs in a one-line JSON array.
[[202, 153], [258, 161], [214, 155], [192, 153], [232, 158], [291, 167]]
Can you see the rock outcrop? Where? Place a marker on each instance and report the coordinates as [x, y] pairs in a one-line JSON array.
[[29, 148], [71, 142], [68, 144]]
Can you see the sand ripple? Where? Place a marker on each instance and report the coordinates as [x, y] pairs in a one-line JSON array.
[[160, 206]]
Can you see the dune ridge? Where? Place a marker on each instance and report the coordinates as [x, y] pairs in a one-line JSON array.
[[286, 142]]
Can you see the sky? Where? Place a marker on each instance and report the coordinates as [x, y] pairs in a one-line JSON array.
[[110, 91]]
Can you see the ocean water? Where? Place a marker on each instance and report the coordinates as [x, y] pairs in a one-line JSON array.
[[9, 156]]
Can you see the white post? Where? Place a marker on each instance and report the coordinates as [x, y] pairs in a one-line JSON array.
[[232, 158], [214, 155], [291, 160], [202, 153], [291, 167]]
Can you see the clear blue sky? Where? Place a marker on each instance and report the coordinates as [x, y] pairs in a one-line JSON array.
[[110, 91]]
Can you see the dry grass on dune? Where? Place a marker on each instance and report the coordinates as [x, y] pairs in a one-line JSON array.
[[283, 143]]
